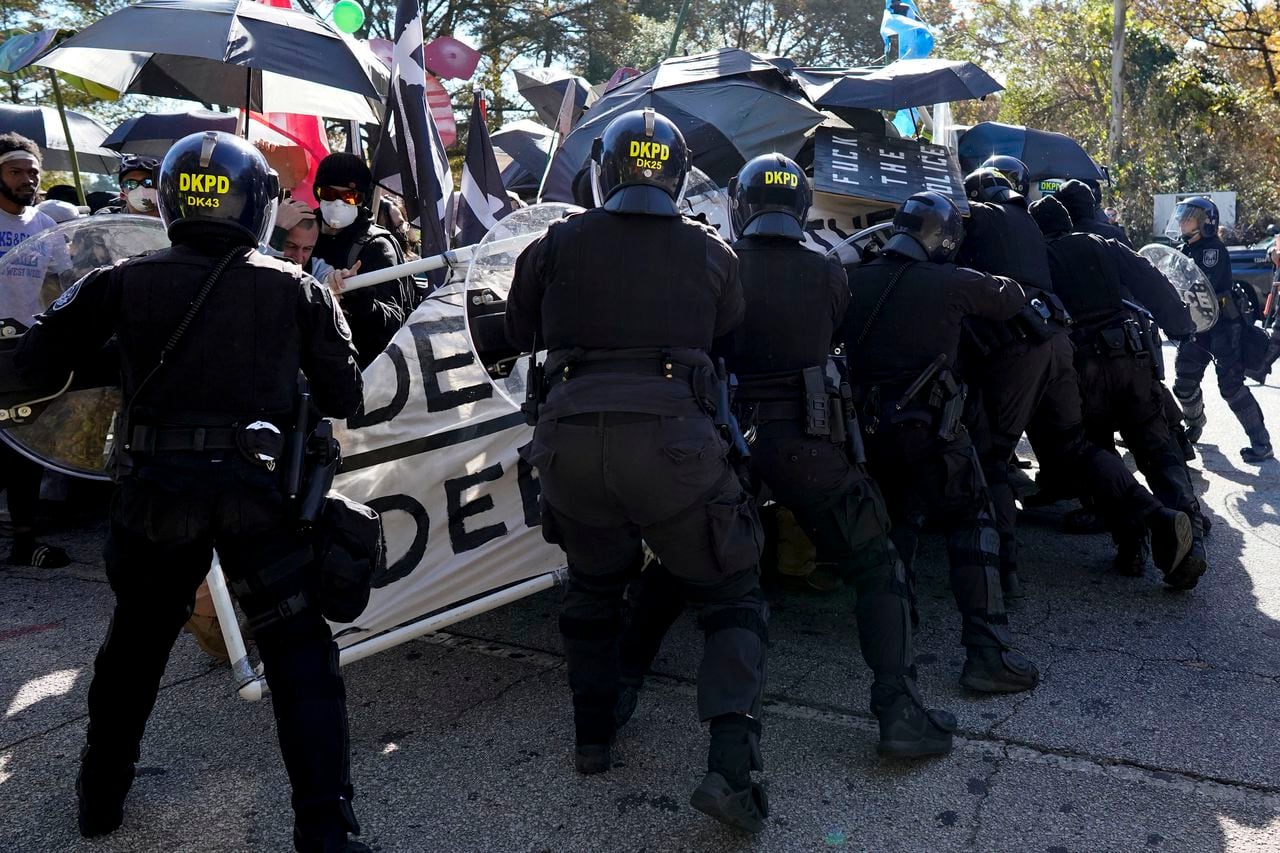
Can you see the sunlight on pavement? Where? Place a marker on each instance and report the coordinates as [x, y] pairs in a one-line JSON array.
[[54, 684], [5, 775], [1245, 838]]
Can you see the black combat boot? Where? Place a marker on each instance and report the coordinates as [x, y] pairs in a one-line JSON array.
[[1187, 573], [1256, 454], [907, 728], [992, 669], [101, 788], [1131, 556], [1171, 536], [727, 792], [326, 828]]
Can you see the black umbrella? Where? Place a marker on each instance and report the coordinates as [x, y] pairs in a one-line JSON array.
[[544, 89], [153, 134], [729, 104], [1047, 154], [287, 61], [898, 85], [43, 126], [527, 143]]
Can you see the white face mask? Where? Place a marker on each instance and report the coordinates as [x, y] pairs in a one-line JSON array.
[[142, 199], [338, 214]]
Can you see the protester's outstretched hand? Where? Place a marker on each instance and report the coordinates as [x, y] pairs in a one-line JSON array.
[[291, 212], [337, 279]]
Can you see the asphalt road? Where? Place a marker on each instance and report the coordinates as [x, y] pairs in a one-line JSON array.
[[1156, 727]]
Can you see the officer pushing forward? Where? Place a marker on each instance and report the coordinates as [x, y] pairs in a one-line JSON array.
[[1198, 226], [212, 336], [1108, 289], [627, 299], [902, 333], [807, 449]]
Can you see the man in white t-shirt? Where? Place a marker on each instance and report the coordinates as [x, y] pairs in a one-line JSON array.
[[19, 221]]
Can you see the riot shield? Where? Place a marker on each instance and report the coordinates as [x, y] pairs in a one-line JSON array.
[[704, 198], [1189, 280], [488, 283], [73, 432]]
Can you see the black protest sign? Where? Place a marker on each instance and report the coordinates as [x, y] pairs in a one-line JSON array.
[[881, 168]]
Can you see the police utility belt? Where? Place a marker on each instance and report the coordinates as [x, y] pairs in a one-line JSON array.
[[566, 365], [935, 399], [808, 397], [1037, 321]]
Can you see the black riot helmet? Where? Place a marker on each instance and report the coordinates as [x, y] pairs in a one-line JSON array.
[[770, 197], [640, 164], [928, 227], [220, 182], [1012, 168], [989, 185]]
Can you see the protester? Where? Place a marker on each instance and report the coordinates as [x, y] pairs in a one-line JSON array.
[[344, 186], [20, 220], [137, 187]]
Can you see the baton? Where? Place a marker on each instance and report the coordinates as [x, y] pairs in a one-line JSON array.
[[447, 259]]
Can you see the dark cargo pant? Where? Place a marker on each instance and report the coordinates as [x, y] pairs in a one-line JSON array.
[[166, 521], [841, 510], [1032, 387], [1122, 394], [612, 481], [1222, 345], [923, 476]]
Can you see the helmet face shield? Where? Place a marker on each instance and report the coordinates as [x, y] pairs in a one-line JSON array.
[[1192, 216]]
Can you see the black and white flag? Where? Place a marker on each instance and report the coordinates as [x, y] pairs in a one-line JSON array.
[[484, 199], [419, 169]]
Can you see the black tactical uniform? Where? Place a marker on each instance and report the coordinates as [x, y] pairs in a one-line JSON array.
[[1081, 205], [1027, 382], [905, 314], [1222, 344], [627, 451], [796, 300], [187, 489], [1104, 285], [374, 313]]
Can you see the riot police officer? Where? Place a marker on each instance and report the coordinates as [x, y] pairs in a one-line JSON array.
[[212, 336], [805, 450], [1026, 381], [1081, 204], [627, 450], [902, 334], [1197, 220], [1108, 289]]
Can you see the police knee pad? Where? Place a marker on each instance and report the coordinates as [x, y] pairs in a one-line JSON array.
[[744, 617]]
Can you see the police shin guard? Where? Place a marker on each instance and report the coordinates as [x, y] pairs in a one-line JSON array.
[[727, 792], [591, 654], [991, 664], [1192, 402], [101, 788], [907, 728], [655, 602]]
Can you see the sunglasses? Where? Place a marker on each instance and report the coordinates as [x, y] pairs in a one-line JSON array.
[[129, 184], [352, 197]]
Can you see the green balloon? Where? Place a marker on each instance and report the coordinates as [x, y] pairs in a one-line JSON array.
[[347, 16]]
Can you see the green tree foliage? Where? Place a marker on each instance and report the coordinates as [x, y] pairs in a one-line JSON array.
[[1200, 109]]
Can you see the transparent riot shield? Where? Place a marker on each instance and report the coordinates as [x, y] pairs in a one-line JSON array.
[[493, 265], [1189, 280], [73, 432]]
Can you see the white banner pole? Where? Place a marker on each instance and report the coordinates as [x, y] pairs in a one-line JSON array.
[[422, 265]]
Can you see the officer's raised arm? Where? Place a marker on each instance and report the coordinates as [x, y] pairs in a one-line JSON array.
[[524, 302], [328, 355]]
